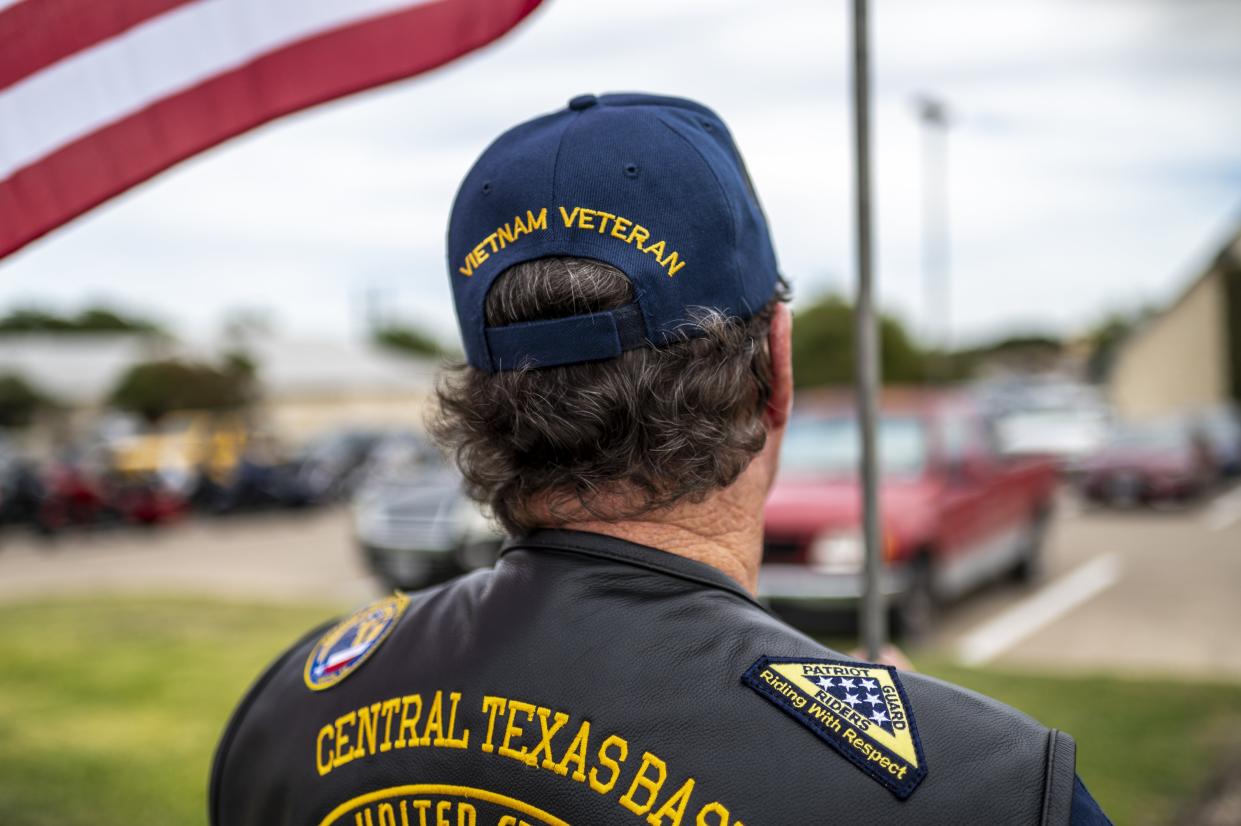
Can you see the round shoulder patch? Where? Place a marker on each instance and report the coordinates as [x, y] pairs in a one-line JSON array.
[[341, 651]]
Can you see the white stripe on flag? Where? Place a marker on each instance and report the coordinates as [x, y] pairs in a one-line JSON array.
[[347, 654], [163, 56]]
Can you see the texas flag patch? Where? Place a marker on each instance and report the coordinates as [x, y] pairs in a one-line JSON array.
[[342, 650], [859, 709]]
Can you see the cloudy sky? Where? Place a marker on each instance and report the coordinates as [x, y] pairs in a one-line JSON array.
[[1094, 162]]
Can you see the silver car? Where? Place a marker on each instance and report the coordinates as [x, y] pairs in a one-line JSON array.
[[413, 522]]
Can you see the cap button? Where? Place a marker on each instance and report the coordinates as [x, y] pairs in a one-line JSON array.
[[583, 102]]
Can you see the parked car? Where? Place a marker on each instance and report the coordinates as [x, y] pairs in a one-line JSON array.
[[180, 446], [74, 493], [956, 513], [80, 487], [21, 490], [1221, 428], [331, 467], [1068, 433], [413, 522], [1150, 464], [262, 478]]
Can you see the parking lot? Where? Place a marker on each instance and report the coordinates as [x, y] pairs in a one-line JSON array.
[[1140, 591], [1132, 591]]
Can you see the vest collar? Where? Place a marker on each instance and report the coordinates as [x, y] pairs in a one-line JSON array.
[[629, 553]]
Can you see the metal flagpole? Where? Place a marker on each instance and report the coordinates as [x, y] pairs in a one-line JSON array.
[[873, 611], [937, 303]]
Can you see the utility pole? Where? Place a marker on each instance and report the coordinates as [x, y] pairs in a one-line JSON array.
[[936, 284], [873, 610]]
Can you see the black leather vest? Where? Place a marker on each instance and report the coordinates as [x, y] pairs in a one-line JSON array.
[[586, 680]]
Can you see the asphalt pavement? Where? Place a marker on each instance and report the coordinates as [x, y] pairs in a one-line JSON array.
[[1130, 592], [1141, 591], [290, 555]]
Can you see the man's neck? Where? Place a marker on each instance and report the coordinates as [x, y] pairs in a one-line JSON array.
[[725, 531]]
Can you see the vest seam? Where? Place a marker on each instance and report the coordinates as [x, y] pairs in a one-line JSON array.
[[1049, 774]]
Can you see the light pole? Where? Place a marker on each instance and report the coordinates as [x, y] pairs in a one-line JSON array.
[[936, 284], [873, 611]]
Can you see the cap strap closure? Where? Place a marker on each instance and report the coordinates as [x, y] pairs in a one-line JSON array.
[[557, 341]]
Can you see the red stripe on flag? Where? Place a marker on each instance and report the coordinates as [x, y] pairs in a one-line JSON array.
[[332, 669], [37, 33], [39, 197]]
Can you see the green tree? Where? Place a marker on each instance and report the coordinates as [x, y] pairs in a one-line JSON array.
[[104, 320], [1105, 340], [29, 320], [407, 339], [20, 401], [1029, 352], [90, 320], [155, 388], [823, 346]]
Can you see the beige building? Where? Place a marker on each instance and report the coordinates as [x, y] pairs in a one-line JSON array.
[[1188, 357], [313, 386], [308, 386]]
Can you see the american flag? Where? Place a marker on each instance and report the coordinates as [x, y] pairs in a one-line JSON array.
[[99, 95], [863, 695]]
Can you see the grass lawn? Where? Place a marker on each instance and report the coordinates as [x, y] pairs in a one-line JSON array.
[[110, 710], [1144, 749]]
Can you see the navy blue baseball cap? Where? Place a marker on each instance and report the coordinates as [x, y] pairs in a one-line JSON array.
[[653, 186]]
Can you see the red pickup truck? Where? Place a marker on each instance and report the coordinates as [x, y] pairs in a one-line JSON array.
[[956, 514]]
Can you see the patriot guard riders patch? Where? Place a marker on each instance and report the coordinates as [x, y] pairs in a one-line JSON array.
[[860, 709], [342, 650]]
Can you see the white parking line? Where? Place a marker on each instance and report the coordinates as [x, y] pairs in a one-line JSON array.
[[996, 636], [1224, 512]]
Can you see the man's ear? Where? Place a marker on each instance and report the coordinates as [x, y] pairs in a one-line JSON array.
[[780, 346]]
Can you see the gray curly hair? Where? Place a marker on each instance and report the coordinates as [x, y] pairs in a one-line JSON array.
[[608, 440]]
